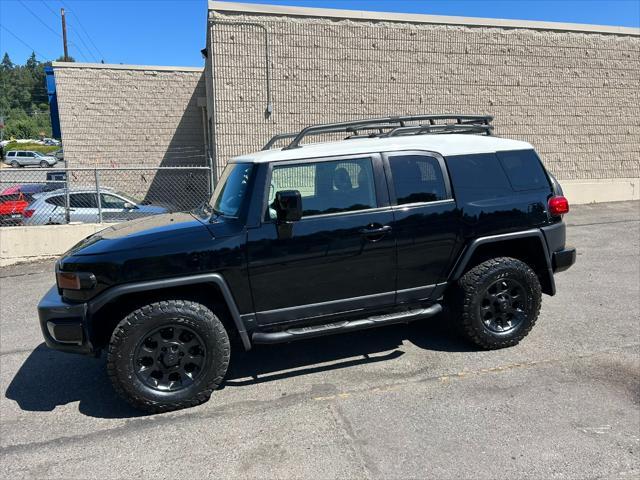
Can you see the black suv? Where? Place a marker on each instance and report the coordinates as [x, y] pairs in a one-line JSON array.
[[404, 216]]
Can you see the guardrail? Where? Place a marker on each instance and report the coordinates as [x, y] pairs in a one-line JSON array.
[[49, 196]]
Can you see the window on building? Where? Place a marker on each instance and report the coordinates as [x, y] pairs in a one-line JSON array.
[[417, 178]]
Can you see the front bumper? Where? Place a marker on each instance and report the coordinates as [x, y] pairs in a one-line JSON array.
[[563, 259], [64, 324]]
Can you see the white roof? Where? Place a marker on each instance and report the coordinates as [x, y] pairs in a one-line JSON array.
[[444, 144]]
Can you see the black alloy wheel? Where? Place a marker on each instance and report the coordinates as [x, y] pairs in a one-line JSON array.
[[170, 358], [168, 355], [496, 302], [503, 305]]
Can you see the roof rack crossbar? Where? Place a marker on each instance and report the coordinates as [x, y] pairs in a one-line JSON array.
[[394, 124], [451, 128]]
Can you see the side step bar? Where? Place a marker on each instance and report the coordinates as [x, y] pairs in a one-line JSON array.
[[293, 334]]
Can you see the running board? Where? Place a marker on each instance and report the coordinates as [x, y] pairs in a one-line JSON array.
[[293, 334]]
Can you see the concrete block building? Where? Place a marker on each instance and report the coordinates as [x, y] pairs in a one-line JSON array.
[[570, 90]]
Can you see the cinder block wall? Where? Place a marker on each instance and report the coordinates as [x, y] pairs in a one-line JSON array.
[[118, 116], [573, 95]]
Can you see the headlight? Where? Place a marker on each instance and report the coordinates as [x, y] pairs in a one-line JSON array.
[[75, 280]]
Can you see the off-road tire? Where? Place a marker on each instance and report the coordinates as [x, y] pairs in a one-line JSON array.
[[131, 330], [470, 290]]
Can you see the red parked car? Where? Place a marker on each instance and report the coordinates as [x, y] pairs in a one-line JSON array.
[[12, 208]]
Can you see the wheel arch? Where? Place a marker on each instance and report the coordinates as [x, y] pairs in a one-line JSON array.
[[528, 246], [108, 308]]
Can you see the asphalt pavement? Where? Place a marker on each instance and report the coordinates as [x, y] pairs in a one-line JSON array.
[[397, 402]]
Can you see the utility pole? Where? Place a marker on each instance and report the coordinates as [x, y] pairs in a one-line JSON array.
[[64, 35]]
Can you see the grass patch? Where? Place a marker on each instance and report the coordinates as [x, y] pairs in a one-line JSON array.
[[34, 147]]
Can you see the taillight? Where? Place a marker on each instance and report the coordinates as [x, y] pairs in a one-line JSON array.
[[558, 206], [28, 213]]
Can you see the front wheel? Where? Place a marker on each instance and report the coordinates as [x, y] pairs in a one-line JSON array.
[[497, 302], [44, 164], [168, 355]]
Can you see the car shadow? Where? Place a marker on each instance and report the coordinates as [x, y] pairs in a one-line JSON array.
[[48, 378]]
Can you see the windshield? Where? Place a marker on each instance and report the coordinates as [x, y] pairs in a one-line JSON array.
[[38, 154], [230, 191]]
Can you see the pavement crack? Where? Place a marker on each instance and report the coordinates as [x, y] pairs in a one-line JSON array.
[[369, 469]]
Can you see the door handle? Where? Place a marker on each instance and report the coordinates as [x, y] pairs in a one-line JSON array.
[[371, 231]]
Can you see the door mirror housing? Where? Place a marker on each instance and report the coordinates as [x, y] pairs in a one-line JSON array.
[[288, 206], [129, 206]]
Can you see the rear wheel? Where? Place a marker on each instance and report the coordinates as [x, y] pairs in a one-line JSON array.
[[168, 355], [497, 302], [15, 164]]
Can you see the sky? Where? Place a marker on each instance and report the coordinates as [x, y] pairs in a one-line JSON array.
[[172, 32]]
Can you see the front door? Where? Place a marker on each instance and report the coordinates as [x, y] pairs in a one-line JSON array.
[[340, 257]]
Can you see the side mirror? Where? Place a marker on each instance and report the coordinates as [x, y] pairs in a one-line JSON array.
[[129, 206], [288, 205]]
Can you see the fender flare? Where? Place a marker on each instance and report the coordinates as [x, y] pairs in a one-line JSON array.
[[464, 259], [107, 296]]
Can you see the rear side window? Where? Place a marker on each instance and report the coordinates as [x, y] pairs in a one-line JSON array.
[[417, 179], [83, 200], [57, 201], [524, 170], [477, 177], [11, 154]]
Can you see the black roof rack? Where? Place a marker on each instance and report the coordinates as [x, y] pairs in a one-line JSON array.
[[392, 126]]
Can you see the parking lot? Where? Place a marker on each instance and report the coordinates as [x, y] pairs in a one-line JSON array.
[[398, 402]]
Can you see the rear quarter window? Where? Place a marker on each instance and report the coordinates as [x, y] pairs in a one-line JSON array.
[[478, 177], [524, 170]]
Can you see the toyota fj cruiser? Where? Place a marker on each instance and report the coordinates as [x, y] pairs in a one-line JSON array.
[[404, 216]]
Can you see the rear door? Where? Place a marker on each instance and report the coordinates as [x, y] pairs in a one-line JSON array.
[[83, 207], [426, 222], [23, 158], [340, 257]]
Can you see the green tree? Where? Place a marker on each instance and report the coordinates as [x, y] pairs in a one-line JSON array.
[[24, 102]]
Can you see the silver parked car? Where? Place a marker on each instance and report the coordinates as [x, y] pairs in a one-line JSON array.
[[24, 158], [49, 207]]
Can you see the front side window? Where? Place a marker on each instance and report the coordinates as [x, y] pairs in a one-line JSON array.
[[326, 187], [417, 179], [111, 201], [231, 189]]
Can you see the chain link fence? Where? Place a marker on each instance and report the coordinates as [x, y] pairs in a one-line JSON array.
[[42, 196]]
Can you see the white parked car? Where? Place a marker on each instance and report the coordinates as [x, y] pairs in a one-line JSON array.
[[24, 158], [49, 207]]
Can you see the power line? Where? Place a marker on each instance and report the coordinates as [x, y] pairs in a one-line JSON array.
[[85, 45], [39, 19], [80, 51], [25, 44], [50, 9], [87, 34]]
